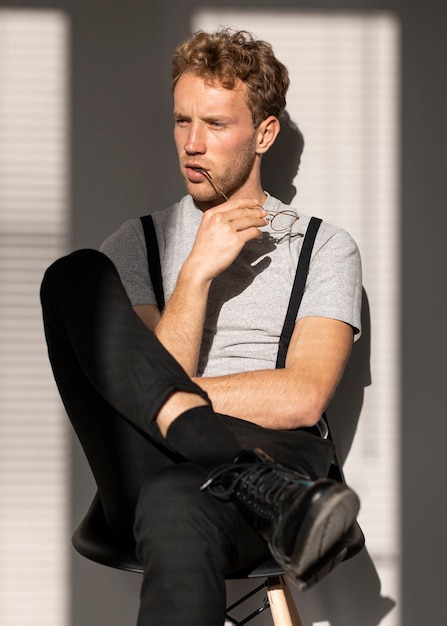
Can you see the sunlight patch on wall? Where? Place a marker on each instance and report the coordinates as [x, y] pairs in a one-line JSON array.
[[34, 454]]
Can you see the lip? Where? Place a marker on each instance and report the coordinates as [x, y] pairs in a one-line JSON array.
[[192, 174]]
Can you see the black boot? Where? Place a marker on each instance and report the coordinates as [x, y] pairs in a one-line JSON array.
[[306, 523]]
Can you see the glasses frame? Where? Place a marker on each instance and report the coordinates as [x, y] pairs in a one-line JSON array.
[[287, 212]]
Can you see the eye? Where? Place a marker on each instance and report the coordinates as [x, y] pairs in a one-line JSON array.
[[181, 121], [217, 124]]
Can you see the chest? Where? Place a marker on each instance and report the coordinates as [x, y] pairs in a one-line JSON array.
[[252, 294]]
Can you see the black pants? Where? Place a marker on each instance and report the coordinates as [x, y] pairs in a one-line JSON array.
[[113, 376]]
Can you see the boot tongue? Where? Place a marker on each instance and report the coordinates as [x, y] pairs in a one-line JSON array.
[[251, 456]]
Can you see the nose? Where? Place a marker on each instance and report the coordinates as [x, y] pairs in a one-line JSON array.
[[195, 140]]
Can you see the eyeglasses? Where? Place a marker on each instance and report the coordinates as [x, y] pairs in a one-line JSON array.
[[280, 221]]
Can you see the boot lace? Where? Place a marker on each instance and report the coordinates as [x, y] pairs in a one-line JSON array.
[[261, 485]]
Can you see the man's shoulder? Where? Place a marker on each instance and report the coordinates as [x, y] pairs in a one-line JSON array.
[[125, 235]]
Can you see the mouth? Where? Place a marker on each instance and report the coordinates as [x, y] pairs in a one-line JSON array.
[[195, 173], [202, 172]]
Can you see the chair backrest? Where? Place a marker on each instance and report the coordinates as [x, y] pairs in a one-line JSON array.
[[94, 540]]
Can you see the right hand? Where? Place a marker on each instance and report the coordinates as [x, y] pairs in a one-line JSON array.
[[223, 232]]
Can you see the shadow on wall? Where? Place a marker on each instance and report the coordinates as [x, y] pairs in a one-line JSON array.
[[346, 405], [281, 163]]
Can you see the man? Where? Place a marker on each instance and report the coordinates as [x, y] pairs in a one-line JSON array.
[[220, 462]]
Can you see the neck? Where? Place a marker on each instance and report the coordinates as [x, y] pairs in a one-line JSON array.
[[258, 195]]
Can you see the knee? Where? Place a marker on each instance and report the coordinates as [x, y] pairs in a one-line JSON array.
[[71, 270]]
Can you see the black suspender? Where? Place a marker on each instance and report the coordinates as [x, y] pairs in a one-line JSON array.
[[153, 259], [297, 290]]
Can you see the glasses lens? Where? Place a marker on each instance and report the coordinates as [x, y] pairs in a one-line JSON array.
[[283, 221]]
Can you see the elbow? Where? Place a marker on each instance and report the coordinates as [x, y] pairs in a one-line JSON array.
[[311, 417], [308, 413]]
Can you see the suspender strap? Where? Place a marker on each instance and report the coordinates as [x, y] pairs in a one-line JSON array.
[[297, 290], [153, 259]]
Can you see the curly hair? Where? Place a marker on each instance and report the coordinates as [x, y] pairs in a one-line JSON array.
[[229, 56]]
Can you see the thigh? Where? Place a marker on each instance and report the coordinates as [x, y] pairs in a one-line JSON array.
[[201, 527], [187, 541]]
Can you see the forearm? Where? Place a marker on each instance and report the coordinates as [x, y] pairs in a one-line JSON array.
[[180, 327], [293, 396], [270, 398]]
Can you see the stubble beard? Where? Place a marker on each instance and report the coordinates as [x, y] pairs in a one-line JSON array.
[[230, 180]]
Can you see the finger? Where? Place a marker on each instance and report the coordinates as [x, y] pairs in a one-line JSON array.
[[237, 219], [250, 234], [245, 222], [255, 216], [231, 205]]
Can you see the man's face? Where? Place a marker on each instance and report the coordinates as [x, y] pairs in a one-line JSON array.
[[213, 130]]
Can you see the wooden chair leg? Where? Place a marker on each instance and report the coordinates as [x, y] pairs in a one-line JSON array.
[[282, 604]]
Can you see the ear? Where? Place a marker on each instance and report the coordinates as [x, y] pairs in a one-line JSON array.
[[267, 132]]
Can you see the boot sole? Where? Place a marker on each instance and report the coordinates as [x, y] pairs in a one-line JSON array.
[[327, 521]]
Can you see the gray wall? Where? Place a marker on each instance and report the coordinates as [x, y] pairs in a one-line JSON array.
[[124, 165]]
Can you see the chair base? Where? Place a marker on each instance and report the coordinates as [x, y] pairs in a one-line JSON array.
[[279, 600], [282, 604]]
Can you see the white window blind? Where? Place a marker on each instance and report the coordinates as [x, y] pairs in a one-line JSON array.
[[344, 96], [33, 232]]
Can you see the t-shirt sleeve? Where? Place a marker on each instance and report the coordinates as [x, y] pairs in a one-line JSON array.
[[126, 247], [334, 283]]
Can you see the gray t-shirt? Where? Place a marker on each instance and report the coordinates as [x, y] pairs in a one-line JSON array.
[[248, 302]]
